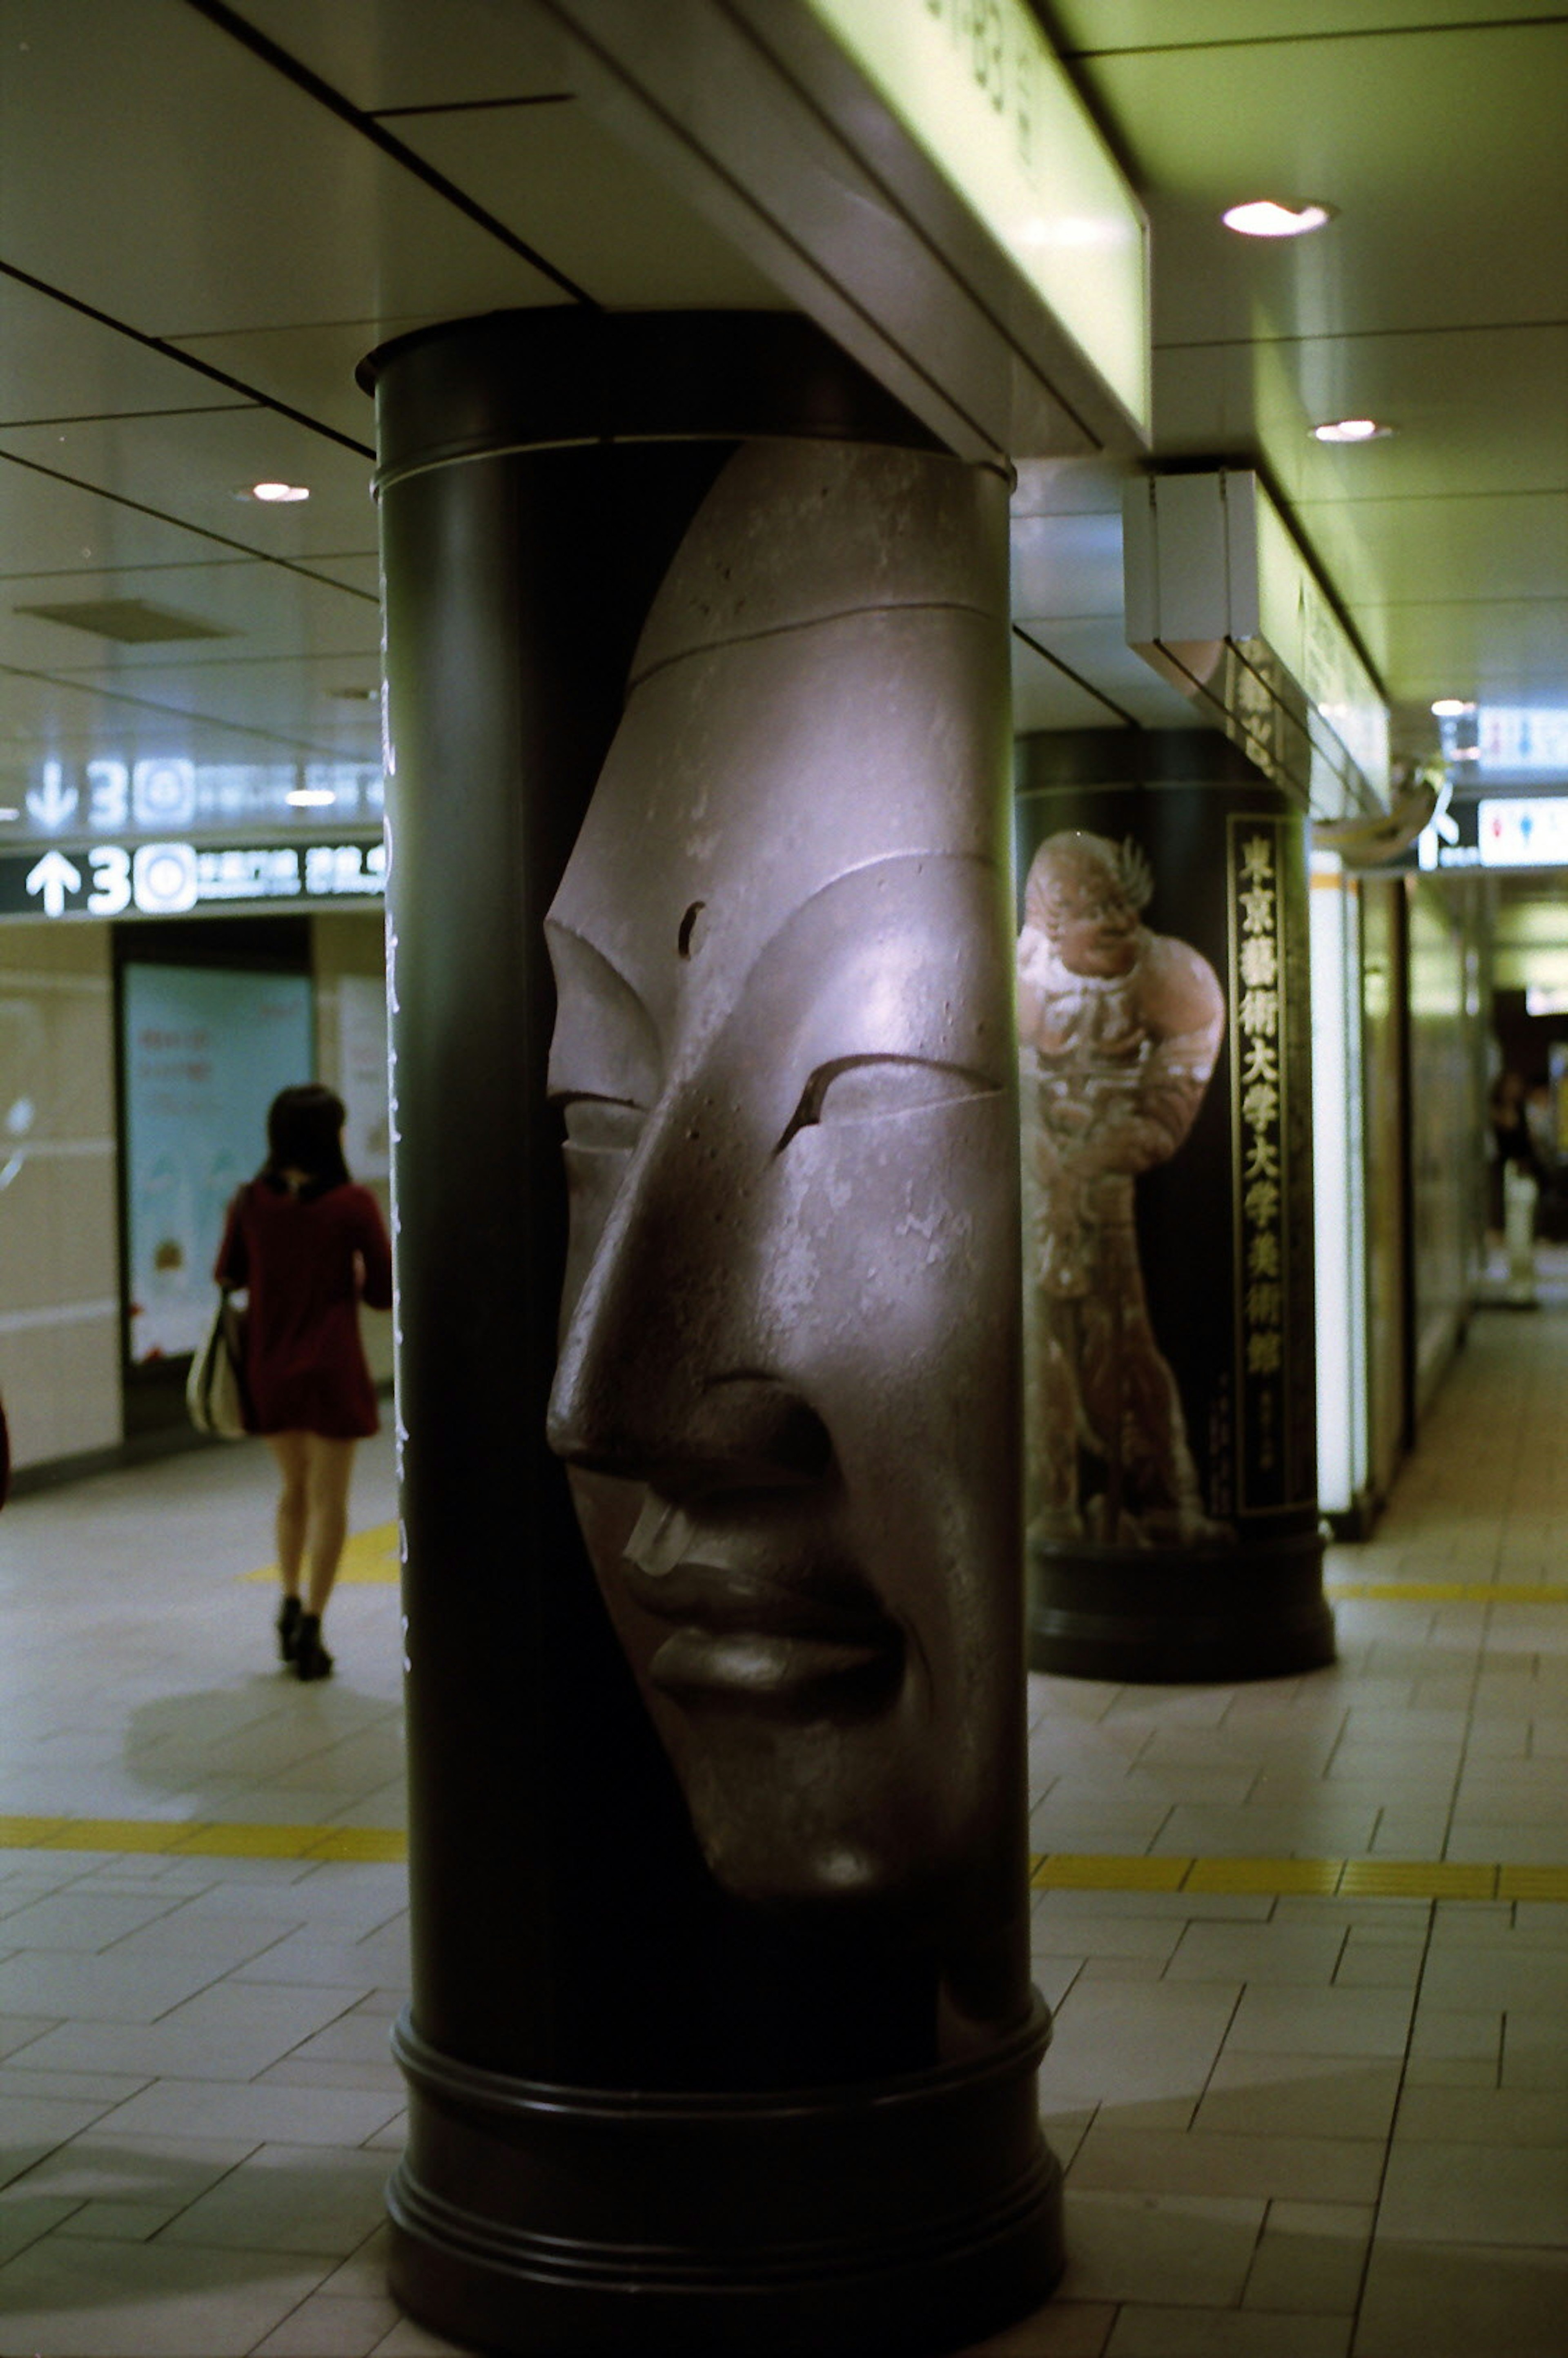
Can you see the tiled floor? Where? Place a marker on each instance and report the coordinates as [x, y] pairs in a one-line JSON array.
[[1307, 1942]]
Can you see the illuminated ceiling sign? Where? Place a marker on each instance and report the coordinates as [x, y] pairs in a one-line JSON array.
[[172, 879], [1505, 743], [1222, 600], [86, 801], [1524, 833], [985, 97]]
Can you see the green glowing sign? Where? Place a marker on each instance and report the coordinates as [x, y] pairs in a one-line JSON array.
[[977, 84]]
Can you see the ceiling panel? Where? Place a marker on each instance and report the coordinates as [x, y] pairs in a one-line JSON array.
[[56, 362], [303, 698], [1068, 487], [1444, 197], [42, 716], [309, 368], [1067, 565], [1482, 548], [47, 527], [1043, 697], [195, 469], [361, 573], [266, 610], [567, 186], [1095, 650], [249, 205], [1507, 651], [399, 53], [1443, 394]]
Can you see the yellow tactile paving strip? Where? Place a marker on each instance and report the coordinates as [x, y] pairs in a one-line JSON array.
[[1455, 1592], [1362, 1878], [1055, 1871], [195, 1838], [370, 1560]]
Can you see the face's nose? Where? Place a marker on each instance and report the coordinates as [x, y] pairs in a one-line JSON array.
[[663, 1375]]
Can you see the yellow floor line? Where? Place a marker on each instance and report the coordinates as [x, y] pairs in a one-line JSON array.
[[195, 1838], [370, 1560], [1363, 1879], [1052, 1871], [1455, 1592]]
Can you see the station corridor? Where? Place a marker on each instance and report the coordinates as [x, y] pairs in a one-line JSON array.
[[1306, 1940]]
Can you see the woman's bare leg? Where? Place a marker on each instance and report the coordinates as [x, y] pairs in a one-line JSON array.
[[293, 1505], [329, 1466]]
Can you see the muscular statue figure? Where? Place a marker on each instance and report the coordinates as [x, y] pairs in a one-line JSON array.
[[1119, 1029]]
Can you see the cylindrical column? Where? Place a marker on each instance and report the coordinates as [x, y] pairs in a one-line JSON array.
[[722, 2034], [1166, 1118]]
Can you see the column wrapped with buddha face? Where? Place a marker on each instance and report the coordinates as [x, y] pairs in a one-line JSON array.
[[787, 1390]]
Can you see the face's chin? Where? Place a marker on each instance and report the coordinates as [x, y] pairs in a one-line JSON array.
[[796, 1709]]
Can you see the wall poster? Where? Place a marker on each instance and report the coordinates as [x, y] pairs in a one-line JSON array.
[[204, 1050], [1167, 1140]]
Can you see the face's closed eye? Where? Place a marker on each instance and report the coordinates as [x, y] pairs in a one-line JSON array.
[[868, 1086]]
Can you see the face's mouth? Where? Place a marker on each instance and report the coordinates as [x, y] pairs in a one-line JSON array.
[[750, 1631]]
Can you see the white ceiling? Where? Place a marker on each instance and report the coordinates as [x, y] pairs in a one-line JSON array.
[[1436, 300], [202, 232]]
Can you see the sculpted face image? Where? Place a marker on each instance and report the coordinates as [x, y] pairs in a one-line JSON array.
[[783, 1059]]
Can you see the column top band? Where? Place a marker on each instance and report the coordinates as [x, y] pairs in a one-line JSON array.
[[517, 380]]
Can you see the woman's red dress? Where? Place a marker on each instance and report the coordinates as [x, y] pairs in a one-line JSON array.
[[306, 1264]]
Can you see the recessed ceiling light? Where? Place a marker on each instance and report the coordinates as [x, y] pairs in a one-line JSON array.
[[1352, 430], [1451, 707], [279, 494], [7, 813], [1264, 218], [309, 797]]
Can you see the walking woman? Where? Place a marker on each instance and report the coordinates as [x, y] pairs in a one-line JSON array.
[[308, 1245]]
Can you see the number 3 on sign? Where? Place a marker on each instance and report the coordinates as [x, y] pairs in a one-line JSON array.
[[111, 878]]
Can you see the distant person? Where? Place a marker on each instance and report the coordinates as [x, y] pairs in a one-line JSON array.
[[1541, 1116], [1512, 1144], [308, 1245]]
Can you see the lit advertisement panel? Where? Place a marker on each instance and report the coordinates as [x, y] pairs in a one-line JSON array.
[[205, 1050]]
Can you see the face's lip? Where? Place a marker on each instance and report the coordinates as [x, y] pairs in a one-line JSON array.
[[750, 1630], [820, 1603]]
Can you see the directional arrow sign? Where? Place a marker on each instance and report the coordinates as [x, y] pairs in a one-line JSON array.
[[54, 877], [54, 802]]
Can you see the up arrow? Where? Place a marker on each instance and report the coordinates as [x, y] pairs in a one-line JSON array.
[[52, 803], [54, 877]]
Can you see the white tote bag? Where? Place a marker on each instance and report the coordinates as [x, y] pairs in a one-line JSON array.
[[215, 1387]]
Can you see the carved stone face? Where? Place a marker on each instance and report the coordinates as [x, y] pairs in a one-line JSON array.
[[788, 1333]]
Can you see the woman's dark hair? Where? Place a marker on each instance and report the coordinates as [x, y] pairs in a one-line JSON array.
[[305, 1132]]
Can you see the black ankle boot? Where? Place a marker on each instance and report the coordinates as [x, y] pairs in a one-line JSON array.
[[311, 1659], [288, 1628]]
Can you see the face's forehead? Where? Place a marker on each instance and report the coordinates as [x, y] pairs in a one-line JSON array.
[[749, 778]]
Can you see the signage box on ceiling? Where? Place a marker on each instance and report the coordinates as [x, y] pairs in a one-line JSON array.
[[1221, 600], [1506, 744]]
